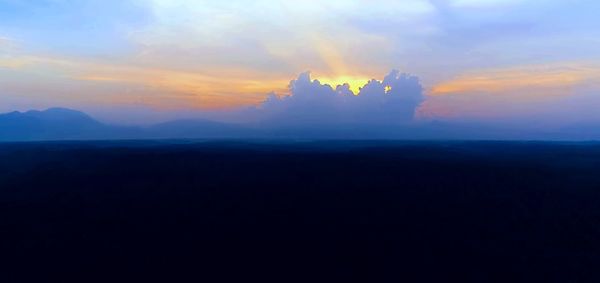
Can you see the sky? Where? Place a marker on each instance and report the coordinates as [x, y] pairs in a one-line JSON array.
[[145, 61]]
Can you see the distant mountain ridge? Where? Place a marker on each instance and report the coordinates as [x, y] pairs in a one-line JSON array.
[[68, 124], [56, 124]]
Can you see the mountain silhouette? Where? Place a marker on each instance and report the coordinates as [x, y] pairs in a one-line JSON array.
[[51, 124], [67, 124]]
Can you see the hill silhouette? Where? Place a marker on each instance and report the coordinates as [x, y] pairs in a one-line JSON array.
[[51, 124], [68, 124]]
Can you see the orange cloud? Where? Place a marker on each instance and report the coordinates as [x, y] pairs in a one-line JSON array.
[[221, 89], [523, 77]]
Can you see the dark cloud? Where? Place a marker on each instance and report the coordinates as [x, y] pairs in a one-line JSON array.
[[390, 101]]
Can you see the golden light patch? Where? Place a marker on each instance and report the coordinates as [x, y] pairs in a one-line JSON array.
[[388, 89], [356, 83]]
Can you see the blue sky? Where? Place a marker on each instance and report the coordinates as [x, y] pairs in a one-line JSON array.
[[477, 60]]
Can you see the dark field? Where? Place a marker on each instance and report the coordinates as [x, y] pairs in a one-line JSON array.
[[300, 212]]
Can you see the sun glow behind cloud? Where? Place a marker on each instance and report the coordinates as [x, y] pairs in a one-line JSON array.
[[218, 54], [275, 36], [355, 83]]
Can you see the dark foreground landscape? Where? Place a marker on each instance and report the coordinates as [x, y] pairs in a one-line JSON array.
[[300, 212]]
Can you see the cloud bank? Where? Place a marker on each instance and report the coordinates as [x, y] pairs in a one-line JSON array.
[[391, 101]]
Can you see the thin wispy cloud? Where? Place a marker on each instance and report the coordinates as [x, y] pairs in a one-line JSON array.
[[544, 78]]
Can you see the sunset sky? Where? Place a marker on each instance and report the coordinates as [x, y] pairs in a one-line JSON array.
[[476, 59]]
